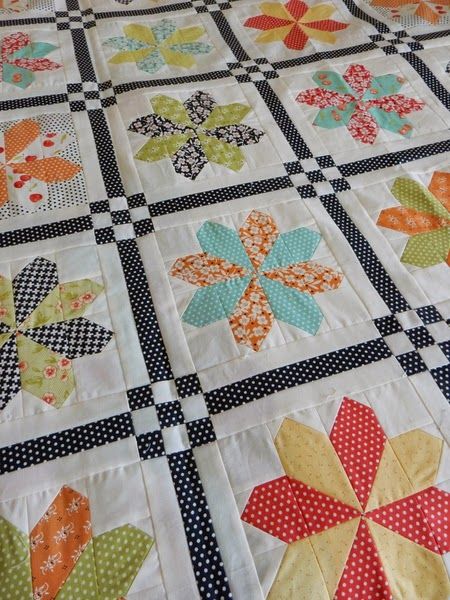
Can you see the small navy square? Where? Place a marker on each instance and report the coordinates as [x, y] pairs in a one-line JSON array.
[[188, 385], [307, 191], [316, 176], [411, 363], [170, 413], [325, 162], [200, 432], [388, 325], [150, 445], [420, 337], [429, 314], [140, 397]]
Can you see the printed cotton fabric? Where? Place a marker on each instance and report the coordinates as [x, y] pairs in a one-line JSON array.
[[224, 299]]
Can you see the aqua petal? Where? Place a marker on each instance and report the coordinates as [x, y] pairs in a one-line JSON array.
[[221, 241], [390, 121], [292, 247]]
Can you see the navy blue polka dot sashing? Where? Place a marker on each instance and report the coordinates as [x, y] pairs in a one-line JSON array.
[[224, 300]]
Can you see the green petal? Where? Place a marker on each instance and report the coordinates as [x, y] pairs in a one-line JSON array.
[[170, 109], [221, 241], [185, 35], [141, 33], [82, 581], [33, 378], [130, 56], [33, 50], [391, 121], [222, 153], [6, 302], [291, 306], [412, 194], [427, 249], [338, 83], [292, 247], [80, 292], [119, 555], [215, 302], [386, 85], [15, 567], [162, 147], [230, 114], [177, 59]]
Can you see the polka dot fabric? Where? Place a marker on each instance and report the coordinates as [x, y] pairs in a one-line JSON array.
[[359, 442]]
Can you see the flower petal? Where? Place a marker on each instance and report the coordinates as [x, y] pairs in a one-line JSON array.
[[199, 106], [362, 126], [3, 187], [154, 126], [411, 570], [140, 33], [397, 103], [215, 302], [10, 374], [222, 153], [383, 85], [252, 320], [268, 24], [359, 441], [16, 75], [51, 170], [330, 80], [275, 10], [15, 562], [123, 43], [440, 188], [323, 98], [204, 270], [435, 504], [13, 43], [185, 35], [33, 50], [151, 64], [412, 194], [163, 147], [258, 234], [293, 307], [296, 39], [425, 12], [358, 78], [32, 285], [427, 249], [221, 241], [291, 247], [73, 338], [366, 575], [228, 114], [238, 135], [171, 109], [177, 59], [68, 512], [322, 30], [272, 508], [130, 56], [307, 455], [190, 159], [192, 48], [409, 220], [7, 316], [37, 64], [163, 30], [296, 8], [308, 277], [19, 136], [319, 12], [274, 35]]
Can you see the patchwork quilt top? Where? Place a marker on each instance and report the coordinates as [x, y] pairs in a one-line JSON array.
[[224, 299]]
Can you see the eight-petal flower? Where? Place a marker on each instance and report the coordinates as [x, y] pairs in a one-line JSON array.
[[361, 102], [359, 513], [430, 11], [294, 23], [14, 5], [61, 558], [153, 47], [425, 216], [195, 132], [255, 277], [42, 330], [29, 160], [20, 57]]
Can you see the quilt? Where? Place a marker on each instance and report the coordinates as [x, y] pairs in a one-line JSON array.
[[224, 299]]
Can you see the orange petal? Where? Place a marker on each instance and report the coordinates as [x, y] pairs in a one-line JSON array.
[[19, 136], [391, 3], [307, 277], [203, 270], [258, 235], [50, 170], [424, 11], [440, 188], [58, 539], [252, 319], [409, 220], [3, 187]]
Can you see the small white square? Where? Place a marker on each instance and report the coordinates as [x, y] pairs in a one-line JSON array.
[[403, 48], [266, 67], [309, 164], [164, 391], [323, 187], [101, 220], [74, 13], [390, 36], [248, 63], [124, 231], [194, 407], [76, 96], [257, 76], [440, 331], [175, 439], [383, 43], [299, 179], [239, 71], [93, 104], [75, 25], [433, 357], [331, 173], [139, 213], [119, 203], [398, 343], [212, 7], [409, 319], [145, 419]]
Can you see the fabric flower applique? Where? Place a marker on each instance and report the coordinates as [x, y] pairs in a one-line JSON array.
[[255, 277], [14, 5], [29, 161], [295, 23], [361, 102], [429, 11], [21, 57], [153, 47], [424, 216], [358, 512], [62, 560], [195, 132], [42, 330]]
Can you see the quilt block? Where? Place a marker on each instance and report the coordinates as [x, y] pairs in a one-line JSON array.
[[224, 300]]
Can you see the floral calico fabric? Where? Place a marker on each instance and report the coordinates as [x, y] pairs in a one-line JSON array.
[[224, 300]]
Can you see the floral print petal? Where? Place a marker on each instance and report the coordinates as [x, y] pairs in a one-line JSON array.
[[190, 159], [362, 126], [155, 126], [239, 135], [199, 106], [252, 320], [358, 78], [440, 188], [258, 235], [409, 220], [307, 277], [203, 270], [222, 153]]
